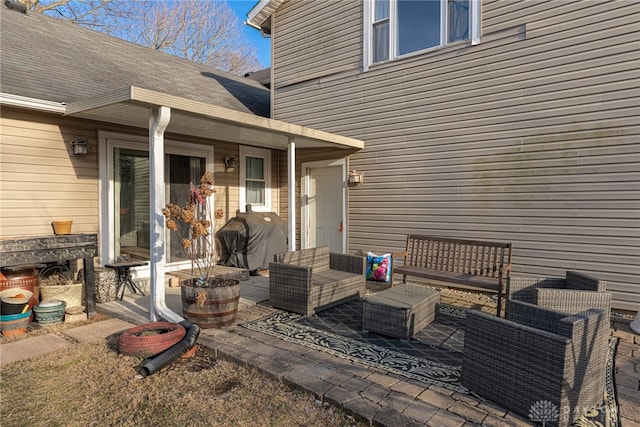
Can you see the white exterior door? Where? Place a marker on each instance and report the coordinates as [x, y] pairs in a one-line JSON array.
[[324, 205]]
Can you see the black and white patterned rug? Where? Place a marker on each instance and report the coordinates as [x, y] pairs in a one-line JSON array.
[[290, 327], [432, 356]]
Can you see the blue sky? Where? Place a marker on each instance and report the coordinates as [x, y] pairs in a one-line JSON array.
[[262, 44]]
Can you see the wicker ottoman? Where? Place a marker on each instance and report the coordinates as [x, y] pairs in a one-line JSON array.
[[400, 311]]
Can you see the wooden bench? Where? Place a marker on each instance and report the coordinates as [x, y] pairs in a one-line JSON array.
[[458, 263]]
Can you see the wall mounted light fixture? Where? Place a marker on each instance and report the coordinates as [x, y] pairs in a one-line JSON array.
[[80, 145], [230, 163], [355, 178]]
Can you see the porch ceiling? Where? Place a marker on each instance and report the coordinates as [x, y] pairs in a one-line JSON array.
[[130, 106]]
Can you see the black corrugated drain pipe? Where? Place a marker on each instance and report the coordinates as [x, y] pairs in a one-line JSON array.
[[168, 356]]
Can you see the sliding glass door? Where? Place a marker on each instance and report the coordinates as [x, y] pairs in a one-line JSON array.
[[182, 172], [131, 201], [131, 216]]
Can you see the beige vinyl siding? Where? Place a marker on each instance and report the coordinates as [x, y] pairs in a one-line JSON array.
[[281, 169], [40, 180], [529, 137], [227, 195], [323, 44]]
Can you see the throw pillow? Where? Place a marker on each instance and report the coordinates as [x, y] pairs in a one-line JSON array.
[[379, 267]]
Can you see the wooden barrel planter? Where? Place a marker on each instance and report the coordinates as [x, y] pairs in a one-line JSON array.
[[211, 307]]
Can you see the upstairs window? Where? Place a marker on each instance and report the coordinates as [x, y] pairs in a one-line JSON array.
[[381, 31], [458, 20], [394, 28], [418, 25]]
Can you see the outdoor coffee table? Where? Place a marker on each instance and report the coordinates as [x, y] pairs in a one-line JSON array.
[[400, 311]]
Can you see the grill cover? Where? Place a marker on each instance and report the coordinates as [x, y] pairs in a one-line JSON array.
[[250, 239]]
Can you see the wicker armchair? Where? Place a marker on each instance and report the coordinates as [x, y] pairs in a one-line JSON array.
[[573, 301], [526, 289], [537, 356], [523, 288], [310, 280]]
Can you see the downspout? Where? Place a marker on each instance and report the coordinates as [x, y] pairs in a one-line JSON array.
[[291, 171], [158, 121]]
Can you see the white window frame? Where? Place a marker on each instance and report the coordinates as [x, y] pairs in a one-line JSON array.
[[247, 151], [475, 27]]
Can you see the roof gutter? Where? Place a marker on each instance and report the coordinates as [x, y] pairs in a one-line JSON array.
[[10, 100], [261, 13], [253, 13]]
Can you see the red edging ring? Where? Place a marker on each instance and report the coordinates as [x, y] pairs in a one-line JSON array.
[[133, 342]]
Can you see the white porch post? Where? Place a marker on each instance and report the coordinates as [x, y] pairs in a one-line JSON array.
[[158, 121], [291, 170]]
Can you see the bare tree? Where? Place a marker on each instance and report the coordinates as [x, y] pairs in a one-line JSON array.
[[100, 15], [208, 32], [203, 31]]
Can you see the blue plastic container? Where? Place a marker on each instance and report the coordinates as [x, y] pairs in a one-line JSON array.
[[15, 324]]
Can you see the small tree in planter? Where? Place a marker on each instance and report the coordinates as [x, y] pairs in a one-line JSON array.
[[207, 301]]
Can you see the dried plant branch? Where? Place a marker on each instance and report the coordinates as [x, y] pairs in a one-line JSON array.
[[200, 243]]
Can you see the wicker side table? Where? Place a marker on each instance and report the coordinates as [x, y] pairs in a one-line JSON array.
[[400, 311]]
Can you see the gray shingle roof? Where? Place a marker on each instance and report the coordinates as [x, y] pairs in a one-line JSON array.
[[51, 59]]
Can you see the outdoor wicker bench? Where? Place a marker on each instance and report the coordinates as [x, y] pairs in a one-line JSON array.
[[458, 263], [310, 280], [400, 311]]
